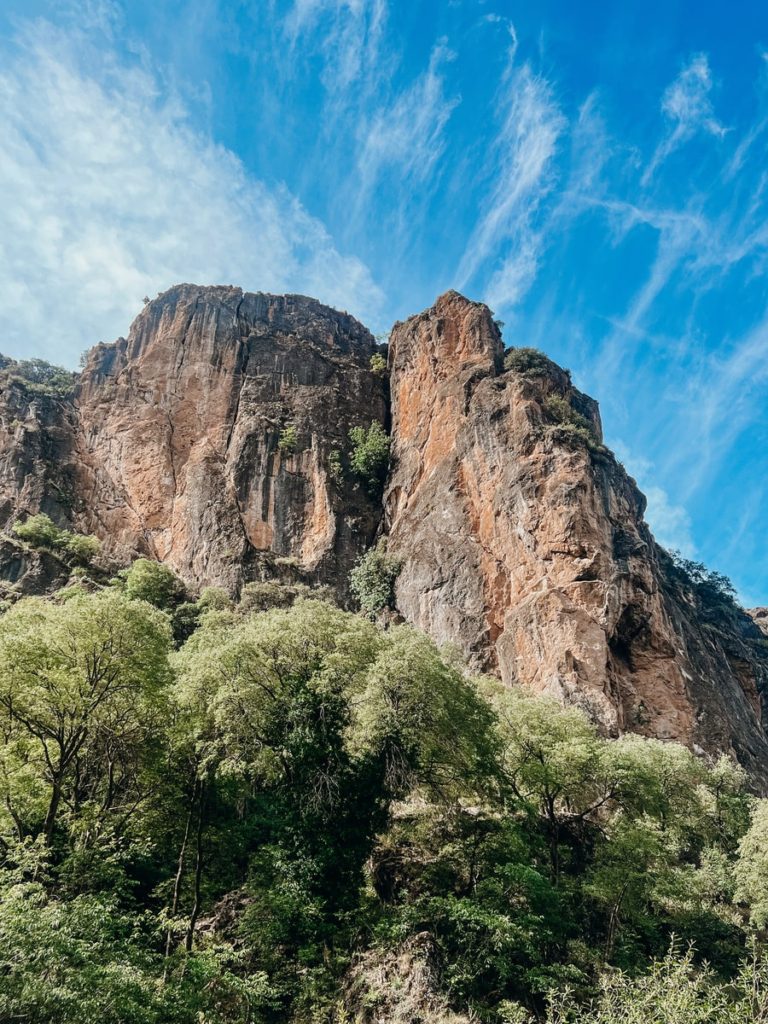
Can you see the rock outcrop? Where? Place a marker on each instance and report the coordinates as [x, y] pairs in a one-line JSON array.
[[523, 542], [171, 447], [216, 438]]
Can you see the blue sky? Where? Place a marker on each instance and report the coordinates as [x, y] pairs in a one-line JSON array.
[[596, 172]]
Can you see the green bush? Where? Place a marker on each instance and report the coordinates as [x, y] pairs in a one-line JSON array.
[[529, 362], [712, 588], [569, 420], [372, 580], [369, 457], [214, 599], [378, 364], [41, 378], [335, 468], [83, 548], [153, 582], [184, 621], [288, 440], [40, 531]]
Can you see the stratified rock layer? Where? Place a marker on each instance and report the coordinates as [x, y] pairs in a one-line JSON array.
[[523, 542]]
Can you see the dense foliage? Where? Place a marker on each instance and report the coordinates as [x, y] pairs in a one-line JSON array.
[[372, 579], [712, 588], [369, 456], [39, 377], [570, 421], [530, 362], [274, 810]]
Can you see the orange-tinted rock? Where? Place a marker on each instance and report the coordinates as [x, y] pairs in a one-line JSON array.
[[524, 544], [174, 447]]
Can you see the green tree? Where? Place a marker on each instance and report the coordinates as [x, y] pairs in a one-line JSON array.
[[378, 364], [82, 548], [288, 441], [81, 683], [372, 578], [751, 870], [369, 457], [40, 531], [153, 582]]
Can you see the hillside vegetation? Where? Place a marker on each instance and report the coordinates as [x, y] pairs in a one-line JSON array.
[[219, 812]]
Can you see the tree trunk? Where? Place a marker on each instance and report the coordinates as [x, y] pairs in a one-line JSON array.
[[53, 808], [198, 874], [179, 875]]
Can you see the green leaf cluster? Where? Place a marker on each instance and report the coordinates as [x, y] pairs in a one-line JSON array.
[[39, 531], [369, 456], [372, 579], [39, 377]]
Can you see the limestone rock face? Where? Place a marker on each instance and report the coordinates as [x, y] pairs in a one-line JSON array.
[[173, 438], [523, 542]]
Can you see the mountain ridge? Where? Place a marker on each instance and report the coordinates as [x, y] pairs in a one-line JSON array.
[[520, 537]]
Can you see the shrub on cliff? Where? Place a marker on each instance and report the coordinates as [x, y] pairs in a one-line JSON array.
[[335, 467], [40, 377], [369, 457], [40, 531], [711, 587], [372, 580], [569, 420], [288, 440], [529, 362], [378, 364]]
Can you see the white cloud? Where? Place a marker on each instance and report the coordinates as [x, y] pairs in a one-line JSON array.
[[109, 193], [687, 106], [524, 150], [409, 134], [350, 40]]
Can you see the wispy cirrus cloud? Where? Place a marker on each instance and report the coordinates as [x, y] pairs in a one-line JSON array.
[[408, 134], [523, 153], [109, 193], [669, 520], [349, 34], [687, 106]]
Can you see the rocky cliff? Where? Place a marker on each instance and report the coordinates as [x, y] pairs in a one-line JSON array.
[[171, 446], [523, 541], [216, 438]]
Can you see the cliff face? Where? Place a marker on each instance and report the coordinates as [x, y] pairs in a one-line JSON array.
[[173, 438], [522, 539], [523, 542]]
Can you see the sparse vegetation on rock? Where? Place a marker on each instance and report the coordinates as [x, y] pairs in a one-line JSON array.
[[530, 362], [39, 377], [570, 421], [40, 532], [288, 441], [372, 579], [370, 455]]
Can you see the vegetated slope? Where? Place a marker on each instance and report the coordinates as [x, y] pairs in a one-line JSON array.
[[216, 439]]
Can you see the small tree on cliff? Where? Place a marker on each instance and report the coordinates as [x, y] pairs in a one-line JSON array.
[[372, 580], [369, 457]]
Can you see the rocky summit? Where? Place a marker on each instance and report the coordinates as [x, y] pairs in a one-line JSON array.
[[215, 439]]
